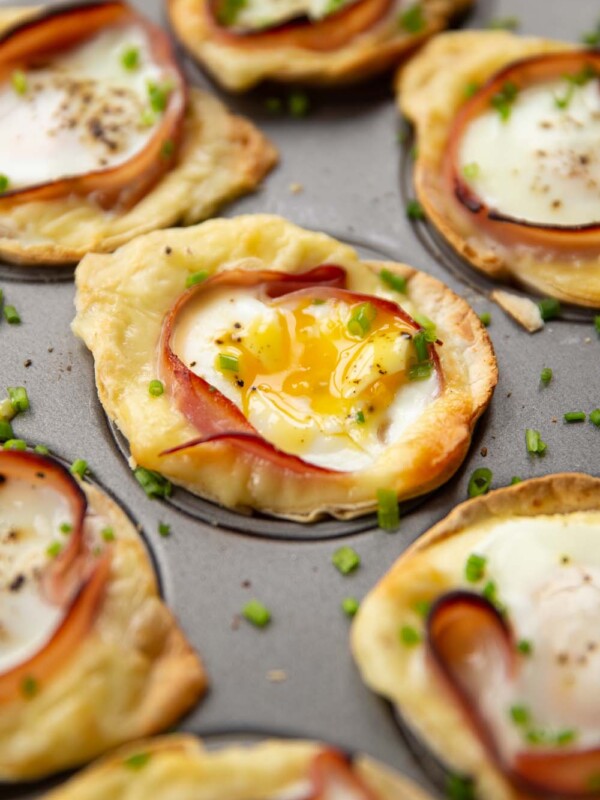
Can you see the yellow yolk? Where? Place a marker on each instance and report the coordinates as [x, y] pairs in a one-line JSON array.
[[308, 377]]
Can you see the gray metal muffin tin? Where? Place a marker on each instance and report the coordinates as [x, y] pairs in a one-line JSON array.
[[297, 677]]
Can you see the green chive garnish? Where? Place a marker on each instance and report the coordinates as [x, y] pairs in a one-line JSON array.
[[41, 449], [298, 104], [597, 324], [54, 549], [419, 372], [388, 512], [4, 183], [409, 636], [485, 318], [515, 479], [534, 443], [229, 363], [361, 319], [164, 529], [490, 592], [256, 613], [228, 11], [168, 148], [130, 58], [504, 24], [107, 534], [395, 282], [595, 417], [574, 416], [471, 89], [158, 95], [29, 686], [19, 81], [475, 568], [345, 560], [6, 431], [11, 315], [592, 38], [66, 528], [350, 606], [136, 761], [360, 417], [196, 277], [546, 376], [15, 444], [525, 647], [414, 210], [549, 308], [471, 171], [427, 324], [79, 467], [412, 20], [460, 787], [422, 607], [153, 483], [480, 482], [156, 388], [520, 715], [503, 100], [274, 105], [421, 346], [18, 398]]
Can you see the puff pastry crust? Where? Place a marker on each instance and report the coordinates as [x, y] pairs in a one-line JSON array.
[[122, 300], [431, 567], [431, 90], [180, 766], [221, 157], [134, 674], [238, 68]]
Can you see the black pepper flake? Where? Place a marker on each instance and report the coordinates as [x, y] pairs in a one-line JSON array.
[[240, 382], [28, 362], [193, 363], [168, 251], [237, 325], [40, 475], [2, 479], [16, 583]]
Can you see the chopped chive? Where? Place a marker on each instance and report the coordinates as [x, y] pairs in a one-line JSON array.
[[515, 479], [6, 431], [427, 325], [108, 534], [549, 308], [534, 443], [471, 89], [256, 613], [412, 20], [524, 647], [460, 787], [79, 467], [164, 529], [196, 277], [360, 417], [54, 549], [361, 319], [350, 606], [4, 183], [147, 118], [566, 737], [592, 38], [345, 560], [420, 372], [409, 636], [15, 444], [228, 363], [421, 346], [503, 100], [156, 388], [388, 512], [422, 607], [471, 171], [41, 449], [396, 282], [597, 324], [480, 482], [520, 715], [595, 417], [130, 58], [414, 210], [574, 416], [158, 95], [66, 528], [546, 376], [228, 10], [136, 761], [11, 315], [153, 483], [504, 24], [298, 104], [19, 81], [29, 686], [485, 318], [475, 568], [274, 105], [168, 148], [490, 592], [18, 398]]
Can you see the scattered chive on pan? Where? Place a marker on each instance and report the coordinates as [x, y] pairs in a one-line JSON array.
[[6, 431], [164, 529], [388, 512], [153, 483], [480, 482], [350, 606], [574, 416], [15, 444], [18, 398], [256, 613], [11, 315], [546, 376], [534, 443], [345, 560], [414, 210], [595, 417], [549, 308], [79, 467], [485, 318]]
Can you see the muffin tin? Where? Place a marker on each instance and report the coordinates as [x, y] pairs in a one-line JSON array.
[[342, 171]]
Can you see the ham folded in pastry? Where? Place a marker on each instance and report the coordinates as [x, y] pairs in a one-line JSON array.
[[485, 636], [508, 167], [89, 655], [298, 380]]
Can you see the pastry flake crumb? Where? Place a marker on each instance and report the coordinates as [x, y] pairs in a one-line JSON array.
[[521, 309], [296, 188], [277, 675]]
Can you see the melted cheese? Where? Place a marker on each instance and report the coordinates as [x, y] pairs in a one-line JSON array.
[[81, 113], [542, 165], [547, 574], [302, 380]]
